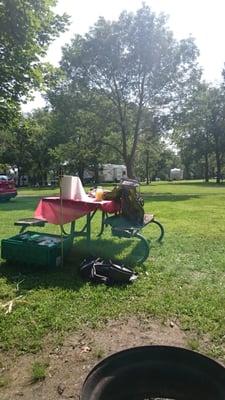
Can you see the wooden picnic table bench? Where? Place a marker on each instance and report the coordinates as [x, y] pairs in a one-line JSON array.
[[25, 223]]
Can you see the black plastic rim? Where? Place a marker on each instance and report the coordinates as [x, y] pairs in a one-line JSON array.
[[148, 372]]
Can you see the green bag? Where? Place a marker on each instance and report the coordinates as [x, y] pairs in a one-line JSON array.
[[115, 194], [131, 201], [132, 205]]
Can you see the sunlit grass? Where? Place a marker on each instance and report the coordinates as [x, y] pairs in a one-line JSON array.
[[185, 277]]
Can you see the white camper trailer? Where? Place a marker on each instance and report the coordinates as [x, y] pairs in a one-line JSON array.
[[24, 180], [112, 172], [176, 174]]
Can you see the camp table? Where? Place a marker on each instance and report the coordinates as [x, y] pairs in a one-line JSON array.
[[59, 211]]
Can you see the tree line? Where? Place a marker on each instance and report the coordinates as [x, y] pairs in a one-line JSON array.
[[125, 92]]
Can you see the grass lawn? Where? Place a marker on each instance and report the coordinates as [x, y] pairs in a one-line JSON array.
[[183, 279]]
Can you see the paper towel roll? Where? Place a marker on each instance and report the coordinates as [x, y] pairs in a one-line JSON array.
[[72, 189]]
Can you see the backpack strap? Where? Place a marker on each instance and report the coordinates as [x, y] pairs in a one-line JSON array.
[[98, 277]]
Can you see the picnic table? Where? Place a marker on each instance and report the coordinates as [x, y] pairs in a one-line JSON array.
[[58, 211]]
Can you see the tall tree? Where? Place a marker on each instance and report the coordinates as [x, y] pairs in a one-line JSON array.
[[26, 29], [200, 131], [16, 146], [137, 64], [82, 119], [41, 140], [193, 133], [216, 102], [27, 146]]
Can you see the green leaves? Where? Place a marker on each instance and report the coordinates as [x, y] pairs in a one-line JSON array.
[[26, 29], [137, 65], [200, 132]]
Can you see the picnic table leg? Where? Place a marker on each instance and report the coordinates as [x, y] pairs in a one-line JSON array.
[[102, 223], [89, 227], [86, 230], [72, 229]]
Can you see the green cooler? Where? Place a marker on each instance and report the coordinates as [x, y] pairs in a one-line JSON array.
[[36, 248]]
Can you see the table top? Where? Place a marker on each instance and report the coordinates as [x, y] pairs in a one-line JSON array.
[[62, 211]]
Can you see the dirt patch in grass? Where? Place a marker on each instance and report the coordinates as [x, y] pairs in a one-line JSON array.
[[69, 363]]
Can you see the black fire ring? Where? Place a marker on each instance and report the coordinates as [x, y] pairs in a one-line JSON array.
[[155, 372]]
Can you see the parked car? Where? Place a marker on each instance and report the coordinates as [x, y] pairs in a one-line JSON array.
[[7, 188]]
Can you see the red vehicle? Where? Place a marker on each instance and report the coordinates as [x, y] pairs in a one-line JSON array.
[[7, 188]]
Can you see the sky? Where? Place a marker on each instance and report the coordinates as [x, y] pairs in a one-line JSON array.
[[202, 19]]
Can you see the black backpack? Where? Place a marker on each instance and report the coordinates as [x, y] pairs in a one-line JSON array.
[[106, 271]]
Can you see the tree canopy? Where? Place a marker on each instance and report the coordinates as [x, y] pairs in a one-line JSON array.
[[200, 132], [27, 27], [136, 64], [122, 89]]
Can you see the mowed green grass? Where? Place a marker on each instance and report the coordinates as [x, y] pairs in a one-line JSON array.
[[183, 280]]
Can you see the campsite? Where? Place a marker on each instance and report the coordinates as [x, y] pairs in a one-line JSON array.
[[177, 299], [112, 223]]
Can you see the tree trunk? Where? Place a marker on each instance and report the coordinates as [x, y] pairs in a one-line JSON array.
[[96, 174], [45, 179], [147, 167], [206, 167], [218, 164], [186, 171], [218, 167], [18, 177], [81, 172], [130, 172]]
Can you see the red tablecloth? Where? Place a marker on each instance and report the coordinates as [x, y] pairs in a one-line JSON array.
[[49, 209]]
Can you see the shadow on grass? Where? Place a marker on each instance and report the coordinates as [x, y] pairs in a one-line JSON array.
[[127, 250], [200, 184], [26, 203], [28, 277], [169, 197]]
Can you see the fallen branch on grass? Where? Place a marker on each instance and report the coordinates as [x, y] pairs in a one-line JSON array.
[[9, 305], [18, 285]]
